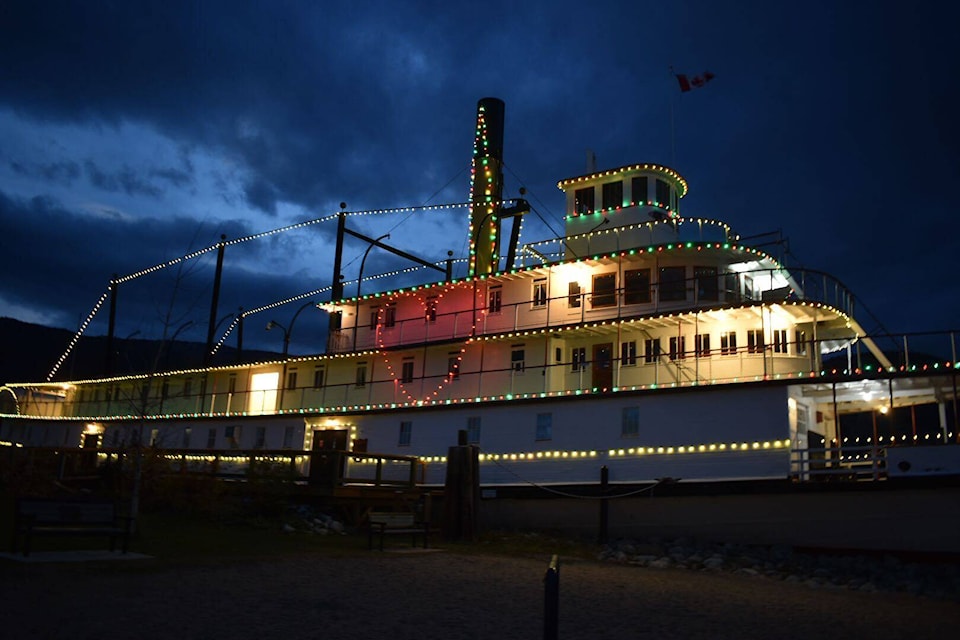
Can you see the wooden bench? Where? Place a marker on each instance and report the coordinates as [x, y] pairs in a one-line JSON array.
[[388, 523], [69, 517]]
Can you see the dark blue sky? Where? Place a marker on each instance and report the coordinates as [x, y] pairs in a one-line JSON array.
[[134, 132]]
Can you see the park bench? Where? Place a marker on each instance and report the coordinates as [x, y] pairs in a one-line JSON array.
[[389, 523], [69, 517]]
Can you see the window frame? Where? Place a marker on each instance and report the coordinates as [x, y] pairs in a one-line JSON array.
[[633, 290], [669, 288], [540, 293], [611, 195], [584, 204], [606, 297]]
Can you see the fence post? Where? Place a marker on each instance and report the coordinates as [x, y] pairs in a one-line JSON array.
[[551, 600], [604, 506]]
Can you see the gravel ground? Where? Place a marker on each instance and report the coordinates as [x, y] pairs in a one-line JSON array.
[[440, 594]]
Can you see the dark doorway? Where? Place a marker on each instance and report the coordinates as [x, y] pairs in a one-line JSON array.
[[602, 365], [327, 458]]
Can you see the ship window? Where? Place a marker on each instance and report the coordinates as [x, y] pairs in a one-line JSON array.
[[613, 195], [431, 308], [636, 286], [453, 365], [706, 283], [406, 374], [628, 353], [630, 422], [604, 290], [495, 300], [186, 437], [211, 438], [779, 340], [803, 420], [361, 379], [728, 343], [673, 284], [261, 438], [318, 377], [678, 347], [517, 362], [639, 188], [651, 350], [579, 358], [232, 436], [663, 193], [540, 292], [702, 345], [406, 431], [573, 294], [287, 437], [801, 342], [583, 202], [544, 426], [473, 429], [731, 286], [754, 341], [292, 379], [390, 315], [374, 316]]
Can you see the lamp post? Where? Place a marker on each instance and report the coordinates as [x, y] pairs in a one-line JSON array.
[[356, 310], [287, 331]]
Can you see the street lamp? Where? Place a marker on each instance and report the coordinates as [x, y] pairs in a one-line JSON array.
[[356, 310], [288, 331]]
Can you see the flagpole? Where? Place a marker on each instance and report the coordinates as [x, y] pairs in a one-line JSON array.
[[673, 137]]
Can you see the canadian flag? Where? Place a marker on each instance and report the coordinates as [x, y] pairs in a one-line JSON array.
[[687, 83]]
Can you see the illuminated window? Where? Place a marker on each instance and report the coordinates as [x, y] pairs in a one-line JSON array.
[[702, 345], [318, 375], [517, 360], [728, 343], [406, 432], [406, 374], [630, 422], [706, 283], [544, 426], [495, 299], [612, 195], [754, 341], [583, 202], [639, 189], [573, 294], [628, 353], [361, 379], [431, 308], [604, 290], [579, 358], [473, 429], [540, 292], [779, 340], [651, 350], [673, 284], [678, 347], [636, 286]]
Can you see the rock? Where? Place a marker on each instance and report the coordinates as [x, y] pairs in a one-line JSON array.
[[747, 571], [660, 563], [288, 528], [713, 563]]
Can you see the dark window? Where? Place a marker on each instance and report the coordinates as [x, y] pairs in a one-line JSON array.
[[703, 345], [673, 285], [187, 386], [613, 195], [406, 374], [779, 340], [639, 187], [374, 317], [291, 380], [453, 366], [604, 290], [432, 309], [211, 438], [318, 377], [663, 193], [754, 341], [261, 438], [544, 426], [801, 343], [628, 353], [706, 283], [728, 343], [390, 315], [731, 286], [636, 286], [232, 436], [517, 360], [651, 350], [579, 357], [232, 383], [583, 201], [495, 300], [540, 292], [573, 294], [678, 347], [406, 431], [473, 429], [361, 379], [630, 422]]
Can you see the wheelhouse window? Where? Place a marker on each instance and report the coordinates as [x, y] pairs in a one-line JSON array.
[[406, 370], [651, 350], [663, 193], [639, 188], [406, 432], [495, 299], [544, 427], [573, 294], [517, 359], [728, 343], [705, 282], [604, 290], [540, 292], [630, 422], [579, 358], [613, 195], [583, 201], [628, 353], [678, 347], [754, 341], [702, 345], [636, 286], [673, 285]]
